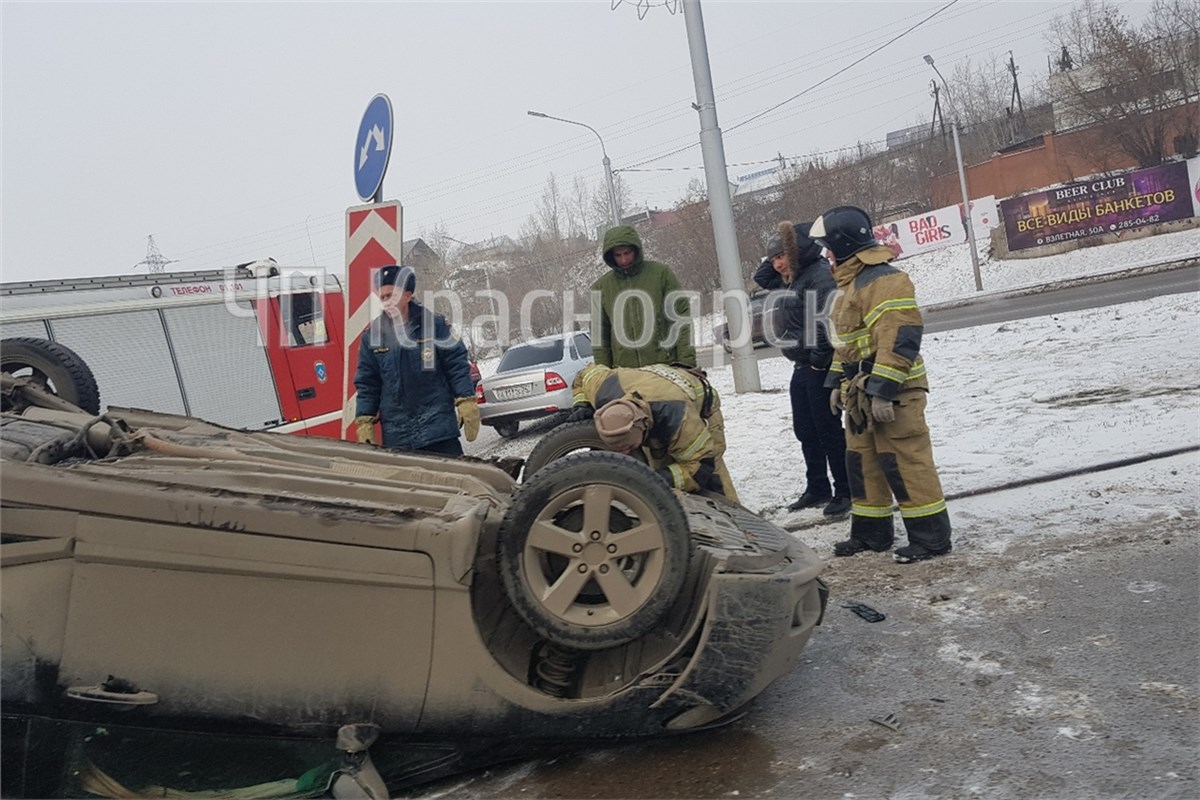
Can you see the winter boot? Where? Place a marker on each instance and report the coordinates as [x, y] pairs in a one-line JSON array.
[[915, 552], [866, 533], [928, 537], [808, 500], [838, 508], [850, 547]]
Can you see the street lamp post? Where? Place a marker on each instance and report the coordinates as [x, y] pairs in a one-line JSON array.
[[608, 175], [955, 124]]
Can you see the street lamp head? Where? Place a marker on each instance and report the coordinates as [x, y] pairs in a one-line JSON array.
[[535, 113], [928, 60]]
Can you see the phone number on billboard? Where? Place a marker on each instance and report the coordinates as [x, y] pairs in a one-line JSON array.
[[1133, 223]]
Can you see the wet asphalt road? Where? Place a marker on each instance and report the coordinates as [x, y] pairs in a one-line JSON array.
[[1060, 669]]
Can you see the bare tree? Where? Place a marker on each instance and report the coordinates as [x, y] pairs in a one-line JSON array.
[[601, 210], [580, 215], [983, 95], [1128, 81], [687, 244]]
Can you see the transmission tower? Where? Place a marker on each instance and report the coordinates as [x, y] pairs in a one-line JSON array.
[[154, 261]]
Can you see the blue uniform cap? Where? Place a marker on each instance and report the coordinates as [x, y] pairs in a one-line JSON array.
[[394, 275]]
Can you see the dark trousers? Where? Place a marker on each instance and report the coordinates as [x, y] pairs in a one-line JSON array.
[[822, 440], [446, 447], [443, 447]]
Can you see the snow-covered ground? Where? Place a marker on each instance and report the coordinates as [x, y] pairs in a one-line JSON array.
[[1012, 401], [946, 274]]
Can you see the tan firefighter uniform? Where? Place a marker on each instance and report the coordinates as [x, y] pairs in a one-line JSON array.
[[877, 341], [686, 441]]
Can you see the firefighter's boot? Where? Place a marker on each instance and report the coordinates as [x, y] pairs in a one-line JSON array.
[[928, 537], [867, 533]]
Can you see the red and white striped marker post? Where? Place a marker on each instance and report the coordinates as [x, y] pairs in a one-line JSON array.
[[374, 239]]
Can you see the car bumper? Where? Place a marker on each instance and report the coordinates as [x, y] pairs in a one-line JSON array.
[[532, 407], [757, 625]]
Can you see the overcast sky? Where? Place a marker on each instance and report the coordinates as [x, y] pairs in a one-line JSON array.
[[227, 129]]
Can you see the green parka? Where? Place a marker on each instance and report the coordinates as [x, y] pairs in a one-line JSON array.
[[633, 347]]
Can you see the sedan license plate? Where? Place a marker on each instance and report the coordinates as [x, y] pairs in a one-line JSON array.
[[513, 392]]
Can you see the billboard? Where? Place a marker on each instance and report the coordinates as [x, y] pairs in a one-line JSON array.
[[1098, 205], [937, 229]]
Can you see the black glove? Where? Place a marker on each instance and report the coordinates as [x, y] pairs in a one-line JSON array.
[[581, 411]]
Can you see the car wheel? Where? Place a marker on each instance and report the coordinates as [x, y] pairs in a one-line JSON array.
[[593, 553], [56, 368], [508, 429], [570, 437]]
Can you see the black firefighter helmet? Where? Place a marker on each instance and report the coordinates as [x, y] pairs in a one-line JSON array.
[[843, 231]]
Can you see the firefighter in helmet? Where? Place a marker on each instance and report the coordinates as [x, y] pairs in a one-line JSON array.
[[671, 413], [878, 380]]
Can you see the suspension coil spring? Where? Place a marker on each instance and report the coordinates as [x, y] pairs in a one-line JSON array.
[[554, 669]]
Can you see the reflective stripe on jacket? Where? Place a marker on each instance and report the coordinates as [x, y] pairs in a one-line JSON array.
[[679, 435], [877, 325]]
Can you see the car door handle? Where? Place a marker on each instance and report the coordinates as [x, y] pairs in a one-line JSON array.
[[308, 393]]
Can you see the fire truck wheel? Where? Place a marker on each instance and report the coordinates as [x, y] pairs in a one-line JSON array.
[[594, 552], [57, 368]]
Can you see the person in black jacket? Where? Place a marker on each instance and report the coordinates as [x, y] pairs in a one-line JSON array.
[[794, 262]]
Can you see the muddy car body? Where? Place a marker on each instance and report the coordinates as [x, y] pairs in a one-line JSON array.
[[162, 571]]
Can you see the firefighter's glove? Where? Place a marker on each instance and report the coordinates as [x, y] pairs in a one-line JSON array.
[[835, 401], [857, 422], [364, 429], [858, 406], [581, 411], [883, 410], [468, 417]]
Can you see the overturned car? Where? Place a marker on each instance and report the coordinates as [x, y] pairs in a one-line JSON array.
[[163, 573]]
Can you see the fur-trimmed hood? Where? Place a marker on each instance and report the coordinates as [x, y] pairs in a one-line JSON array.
[[795, 241]]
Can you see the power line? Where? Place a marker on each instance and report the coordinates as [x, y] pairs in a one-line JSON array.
[[518, 164], [816, 85]]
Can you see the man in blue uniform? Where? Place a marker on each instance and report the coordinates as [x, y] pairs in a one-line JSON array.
[[413, 375]]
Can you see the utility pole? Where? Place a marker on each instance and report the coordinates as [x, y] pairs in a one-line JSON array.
[[955, 124], [1016, 94], [938, 120], [729, 261]]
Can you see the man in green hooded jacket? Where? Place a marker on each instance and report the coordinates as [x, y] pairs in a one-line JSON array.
[[632, 325]]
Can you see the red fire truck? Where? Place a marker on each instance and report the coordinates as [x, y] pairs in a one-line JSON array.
[[256, 346]]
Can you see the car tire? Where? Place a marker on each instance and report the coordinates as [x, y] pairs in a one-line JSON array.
[[567, 438], [507, 430], [57, 367], [583, 577], [570, 437]]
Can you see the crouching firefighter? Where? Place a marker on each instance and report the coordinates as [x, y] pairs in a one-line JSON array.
[[671, 413], [878, 379]]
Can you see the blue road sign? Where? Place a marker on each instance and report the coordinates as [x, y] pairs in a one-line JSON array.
[[373, 147]]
